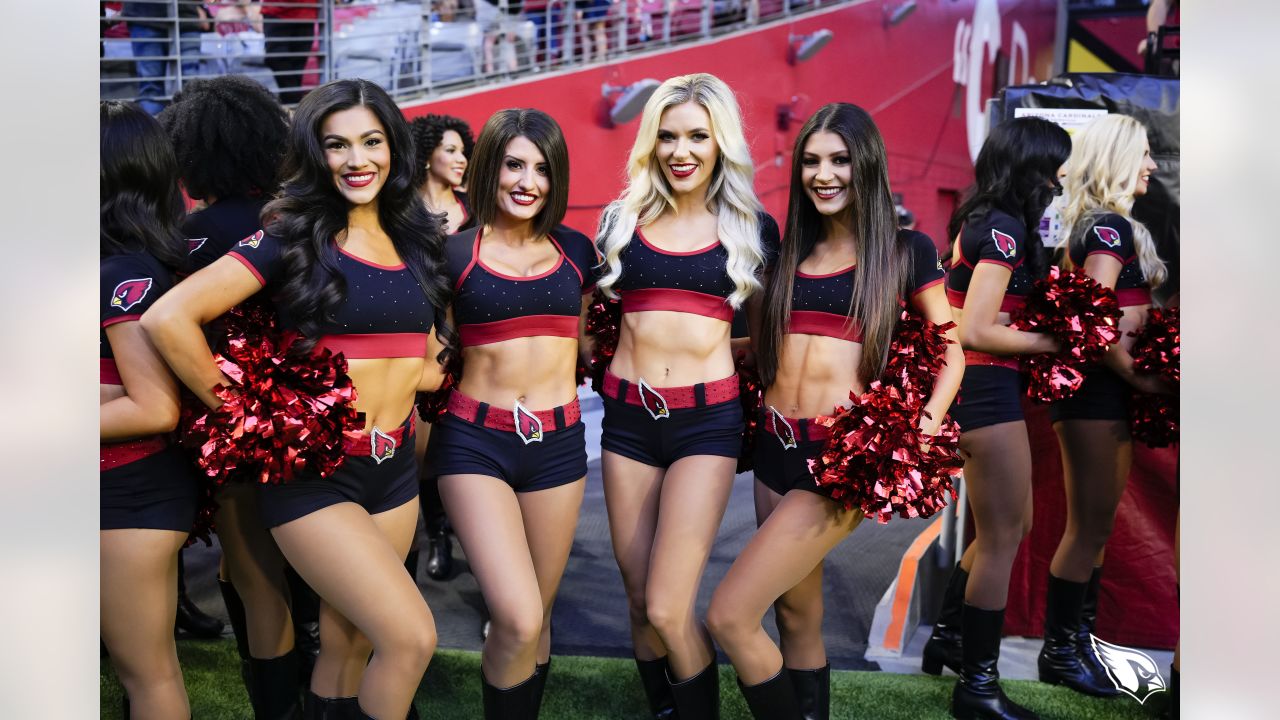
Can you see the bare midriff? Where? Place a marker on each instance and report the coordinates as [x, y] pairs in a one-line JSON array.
[[672, 349], [815, 375], [385, 389], [537, 371]]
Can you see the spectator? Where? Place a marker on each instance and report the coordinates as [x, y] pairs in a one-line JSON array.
[[290, 30], [594, 14], [499, 19], [153, 41], [236, 16]]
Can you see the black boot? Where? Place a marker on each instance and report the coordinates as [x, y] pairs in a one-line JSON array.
[[439, 549], [977, 693], [773, 699], [273, 691], [1060, 659], [1088, 622], [813, 690], [698, 698], [943, 647], [304, 608], [411, 564], [190, 618], [540, 672], [513, 703], [323, 708], [235, 611], [653, 678], [1170, 711]]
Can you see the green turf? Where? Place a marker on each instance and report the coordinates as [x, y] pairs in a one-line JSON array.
[[587, 688]]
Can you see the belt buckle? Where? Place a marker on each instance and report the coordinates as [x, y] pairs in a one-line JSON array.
[[528, 426], [381, 446], [782, 429], [653, 401]]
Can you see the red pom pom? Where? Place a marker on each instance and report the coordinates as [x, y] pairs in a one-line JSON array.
[[286, 411], [1080, 312], [431, 405], [1153, 419], [751, 395], [604, 323], [917, 354]]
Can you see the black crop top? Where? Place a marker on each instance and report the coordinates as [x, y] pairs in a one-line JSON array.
[[489, 306], [214, 230], [820, 303], [129, 285], [996, 238], [693, 282], [386, 314], [1111, 234]]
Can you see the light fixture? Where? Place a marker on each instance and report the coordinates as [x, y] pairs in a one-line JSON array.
[[628, 100], [803, 47], [898, 14]]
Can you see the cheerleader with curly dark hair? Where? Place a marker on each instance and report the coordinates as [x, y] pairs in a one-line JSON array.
[[355, 265], [443, 146]]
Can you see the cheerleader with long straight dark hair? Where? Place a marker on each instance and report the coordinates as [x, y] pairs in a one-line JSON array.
[[148, 488], [831, 301], [997, 255], [355, 263]]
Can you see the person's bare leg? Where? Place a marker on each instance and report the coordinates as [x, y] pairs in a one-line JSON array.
[[997, 471], [256, 569], [798, 612], [1096, 456], [631, 494], [550, 519]]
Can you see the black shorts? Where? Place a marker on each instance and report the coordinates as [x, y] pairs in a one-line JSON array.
[[782, 468], [374, 486], [157, 492], [631, 432], [463, 447], [989, 395], [1103, 396]]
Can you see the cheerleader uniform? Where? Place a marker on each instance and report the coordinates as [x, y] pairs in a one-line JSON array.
[[659, 425], [820, 306], [213, 230], [1104, 395], [385, 314], [991, 390], [528, 449], [145, 482]]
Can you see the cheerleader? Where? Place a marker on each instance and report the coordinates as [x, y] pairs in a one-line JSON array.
[[229, 135], [511, 448], [996, 257], [148, 489], [831, 301], [354, 263], [682, 248], [1110, 166]]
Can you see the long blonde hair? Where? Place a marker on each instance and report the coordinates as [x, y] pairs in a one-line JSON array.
[[730, 196], [1101, 177]]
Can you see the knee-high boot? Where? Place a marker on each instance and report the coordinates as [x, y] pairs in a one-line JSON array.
[[773, 699], [239, 627], [653, 678], [190, 618], [698, 698], [1088, 623], [813, 690], [943, 646], [540, 673], [1060, 661], [977, 694], [273, 690], [513, 703]]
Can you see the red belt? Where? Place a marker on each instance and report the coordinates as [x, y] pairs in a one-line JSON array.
[[801, 429], [973, 357], [113, 455], [378, 444], [657, 400], [482, 413]]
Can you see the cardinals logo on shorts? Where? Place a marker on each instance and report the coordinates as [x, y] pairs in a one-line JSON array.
[[130, 293], [528, 426], [1133, 672], [653, 401], [781, 429], [1007, 246], [381, 446], [252, 241], [1108, 236]]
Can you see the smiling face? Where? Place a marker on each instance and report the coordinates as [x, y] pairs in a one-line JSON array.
[[523, 181], [448, 163], [1144, 171], [827, 173], [356, 149], [686, 151]]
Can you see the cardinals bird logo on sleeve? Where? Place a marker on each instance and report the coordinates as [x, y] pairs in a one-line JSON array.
[[528, 426], [130, 293], [382, 446], [1108, 236], [194, 244], [653, 401], [1133, 672], [1007, 246], [252, 241]]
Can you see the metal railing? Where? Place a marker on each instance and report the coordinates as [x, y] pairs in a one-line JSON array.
[[413, 48]]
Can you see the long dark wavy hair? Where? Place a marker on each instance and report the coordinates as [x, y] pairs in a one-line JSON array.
[[428, 133], [310, 212], [229, 135], [140, 203], [1017, 173], [880, 279]]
